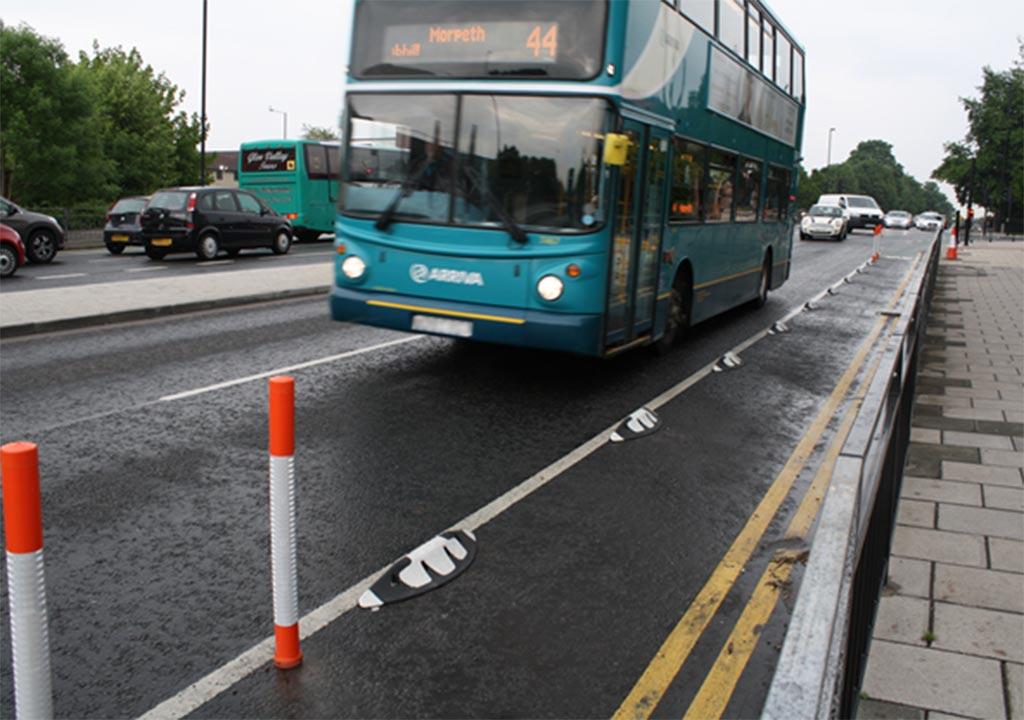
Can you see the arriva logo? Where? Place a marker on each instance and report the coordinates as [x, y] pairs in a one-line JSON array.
[[422, 274]]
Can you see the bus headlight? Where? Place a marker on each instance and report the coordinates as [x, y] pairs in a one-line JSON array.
[[550, 288], [353, 267]]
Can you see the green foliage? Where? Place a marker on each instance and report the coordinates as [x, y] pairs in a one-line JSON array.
[[89, 131], [872, 170], [318, 133], [987, 166], [50, 146]]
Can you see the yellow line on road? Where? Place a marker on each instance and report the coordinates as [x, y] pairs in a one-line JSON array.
[[663, 668]]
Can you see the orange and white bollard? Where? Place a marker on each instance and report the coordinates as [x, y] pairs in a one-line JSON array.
[[877, 242], [282, 522], [23, 523], [951, 248]]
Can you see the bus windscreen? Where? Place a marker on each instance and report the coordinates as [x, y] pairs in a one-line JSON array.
[[503, 38]]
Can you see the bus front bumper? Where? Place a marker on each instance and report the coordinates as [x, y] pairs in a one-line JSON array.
[[574, 333]]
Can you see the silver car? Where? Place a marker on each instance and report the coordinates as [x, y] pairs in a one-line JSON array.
[[899, 219], [929, 221]]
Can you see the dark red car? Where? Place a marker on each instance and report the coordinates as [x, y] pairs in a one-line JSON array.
[[12, 251]]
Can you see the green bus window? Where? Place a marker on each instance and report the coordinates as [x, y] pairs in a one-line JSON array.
[[731, 25], [798, 75], [721, 192], [782, 70], [776, 196], [701, 12], [748, 191], [687, 182], [754, 38]]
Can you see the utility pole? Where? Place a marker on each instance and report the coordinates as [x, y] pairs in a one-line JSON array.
[[202, 111]]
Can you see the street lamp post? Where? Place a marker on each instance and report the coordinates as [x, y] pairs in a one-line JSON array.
[[828, 160], [284, 119], [202, 112]]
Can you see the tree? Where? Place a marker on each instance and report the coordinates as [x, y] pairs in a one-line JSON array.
[[987, 166], [872, 170], [310, 132], [50, 140], [148, 143]]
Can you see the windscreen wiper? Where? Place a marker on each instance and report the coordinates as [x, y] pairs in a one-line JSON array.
[[388, 215], [517, 233]]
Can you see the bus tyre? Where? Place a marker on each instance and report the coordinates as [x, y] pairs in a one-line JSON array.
[[678, 319], [208, 247], [41, 247], [282, 243], [763, 283]]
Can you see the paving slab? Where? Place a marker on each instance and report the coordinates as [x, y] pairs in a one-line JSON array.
[[979, 587], [1003, 497], [946, 491], [934, 680], [908, 576], [978, 631], [1007, 555], [981, 521], [939, 546], [903, 619], [1010, 477]]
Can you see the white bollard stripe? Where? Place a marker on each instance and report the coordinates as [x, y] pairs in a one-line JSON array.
[[283, 540], [30, 643]]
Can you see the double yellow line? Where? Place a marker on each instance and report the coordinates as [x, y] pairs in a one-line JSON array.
[[719, 684]]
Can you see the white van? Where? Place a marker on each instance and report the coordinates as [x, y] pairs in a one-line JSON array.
[[862, 210]]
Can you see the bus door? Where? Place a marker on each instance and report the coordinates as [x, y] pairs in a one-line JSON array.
[[637, 235]]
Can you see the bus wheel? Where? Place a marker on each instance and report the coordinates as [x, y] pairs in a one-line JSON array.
[[282, 243], [678, 319], [763, 283], [208, 247]]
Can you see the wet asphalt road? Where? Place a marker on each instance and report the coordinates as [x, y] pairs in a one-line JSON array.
[[156, 524]]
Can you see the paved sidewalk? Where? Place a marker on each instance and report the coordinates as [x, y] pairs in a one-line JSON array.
[[62, 308], [948, 639]]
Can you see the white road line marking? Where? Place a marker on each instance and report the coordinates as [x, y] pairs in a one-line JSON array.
[[290, 368], [149, 268], [59, 277]]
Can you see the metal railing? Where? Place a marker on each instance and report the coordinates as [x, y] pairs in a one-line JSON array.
[[823, 658]]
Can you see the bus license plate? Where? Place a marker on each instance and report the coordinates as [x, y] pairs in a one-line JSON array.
[[442, 326]]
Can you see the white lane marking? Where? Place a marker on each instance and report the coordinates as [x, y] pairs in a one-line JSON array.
[[290, 368], [212, 263], [150, 268], [59, 277]]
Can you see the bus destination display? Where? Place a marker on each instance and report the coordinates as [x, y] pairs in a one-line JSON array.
[[483, 42], [269, 160]]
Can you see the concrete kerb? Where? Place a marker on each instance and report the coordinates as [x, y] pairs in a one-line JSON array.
[[112, 318]]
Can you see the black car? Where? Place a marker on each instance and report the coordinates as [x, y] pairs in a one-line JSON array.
[[206, 220], [122, 228], [42, 234]]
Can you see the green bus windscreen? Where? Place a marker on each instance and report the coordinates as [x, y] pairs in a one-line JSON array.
[[503, 38]]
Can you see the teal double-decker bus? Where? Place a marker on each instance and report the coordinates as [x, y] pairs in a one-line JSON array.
[[298, 178], [578, 175]]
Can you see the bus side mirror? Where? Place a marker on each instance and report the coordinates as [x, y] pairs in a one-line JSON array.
[[616, 149]]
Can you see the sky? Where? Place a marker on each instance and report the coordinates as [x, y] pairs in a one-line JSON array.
[[893, 70]]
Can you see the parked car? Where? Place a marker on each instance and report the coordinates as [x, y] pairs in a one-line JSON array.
[[861, 210], [900, 219], [930, 221], [206, 220], [42, 234], [122, 228], [12, 251], [824, 221]]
